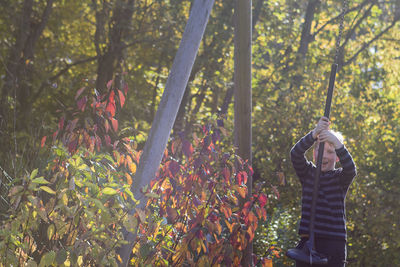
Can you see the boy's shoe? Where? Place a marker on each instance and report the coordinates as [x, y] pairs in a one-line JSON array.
[[304, 253]]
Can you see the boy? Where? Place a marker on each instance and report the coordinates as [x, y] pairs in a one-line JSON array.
[[330, 218]]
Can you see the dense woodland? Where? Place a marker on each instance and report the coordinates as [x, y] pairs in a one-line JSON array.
[[53, 52]]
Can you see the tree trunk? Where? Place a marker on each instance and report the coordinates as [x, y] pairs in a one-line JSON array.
[[107, 63], [19, 66], [242, 80], [306, 30]]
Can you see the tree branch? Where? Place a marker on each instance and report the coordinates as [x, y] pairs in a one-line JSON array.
[[357, 24], [61, 72], [366, 45], [334, 19]]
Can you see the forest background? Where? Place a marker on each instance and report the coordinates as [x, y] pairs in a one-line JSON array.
[[50, 49]]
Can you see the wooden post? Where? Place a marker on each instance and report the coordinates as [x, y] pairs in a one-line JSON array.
[[168, 108], [243, 106]]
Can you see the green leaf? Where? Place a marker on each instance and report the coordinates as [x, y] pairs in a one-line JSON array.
[[109, 191], [98, 204], [130, 223], [33, 174], [145, 249], [78, 183], [31, 263], [152, 195], [61, 256], [129, 193], [48, 190], [82, 167], [40, 180], [48, 259]]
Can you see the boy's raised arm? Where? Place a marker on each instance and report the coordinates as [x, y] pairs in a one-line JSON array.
[[348, 165], [297, 155]]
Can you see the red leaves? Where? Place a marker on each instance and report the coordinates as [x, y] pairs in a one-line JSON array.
[[114, 124], [43, 141], [90, 127], [111, 106], [262, 199], [226, 173], [187, 148], [227, 211], [82, 103], [61, 123], [173, 167], [242, 177], [79, 92], [121, 98], [205, 221]]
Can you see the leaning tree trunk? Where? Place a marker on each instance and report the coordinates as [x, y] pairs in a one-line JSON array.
[[168, 108]]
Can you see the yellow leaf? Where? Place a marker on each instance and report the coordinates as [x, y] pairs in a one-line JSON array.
[[48, 190], [128, 178], [119, 258], [242, 191], [132, 168], [267, 263], [109, 191], [80, 260]]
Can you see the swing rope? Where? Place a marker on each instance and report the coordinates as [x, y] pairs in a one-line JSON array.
[[308, 254], [341, 26]]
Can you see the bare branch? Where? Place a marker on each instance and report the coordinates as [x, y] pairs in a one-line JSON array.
[[334, 19], [366, 45], [357, 24], [61, 72]]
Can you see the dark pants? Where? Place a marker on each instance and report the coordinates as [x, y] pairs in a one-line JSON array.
[[334, 249]]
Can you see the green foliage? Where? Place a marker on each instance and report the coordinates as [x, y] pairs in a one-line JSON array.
[[72, 214]]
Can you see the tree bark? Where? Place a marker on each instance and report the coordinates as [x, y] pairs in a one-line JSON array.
[[306, 37], [19, 67], [107, 62], [243, 108]]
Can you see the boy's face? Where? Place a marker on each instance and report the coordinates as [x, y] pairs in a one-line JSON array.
[[329, 157]]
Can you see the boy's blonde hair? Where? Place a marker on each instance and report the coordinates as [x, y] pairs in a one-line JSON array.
[[338, 135]]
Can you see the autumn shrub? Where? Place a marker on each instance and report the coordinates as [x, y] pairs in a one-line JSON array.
[[196, 214], [73, 210]]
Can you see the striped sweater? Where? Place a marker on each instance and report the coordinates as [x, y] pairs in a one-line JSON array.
[[330, 216]]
